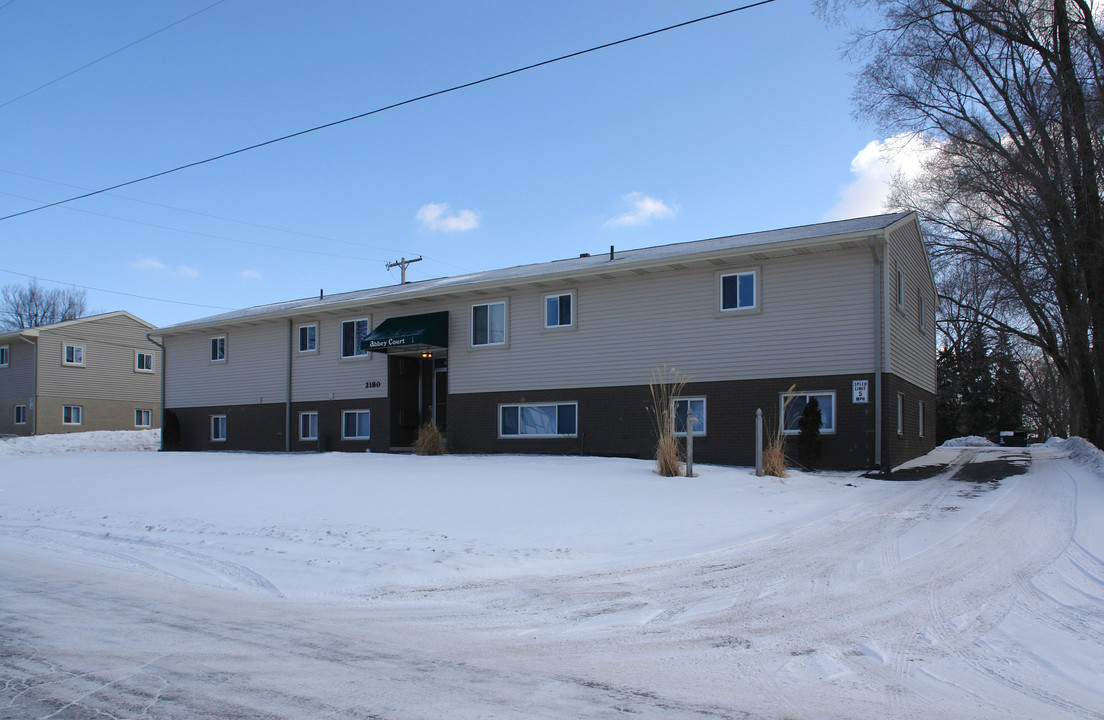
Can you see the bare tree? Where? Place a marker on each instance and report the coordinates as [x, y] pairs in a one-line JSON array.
[[31, 305], [1010, 93]]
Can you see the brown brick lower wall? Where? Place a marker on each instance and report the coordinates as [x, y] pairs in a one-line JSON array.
[[612, 421], [260, 427], [901, 447], [615, 421]]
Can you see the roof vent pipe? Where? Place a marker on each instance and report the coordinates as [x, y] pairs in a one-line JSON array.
[[611, 253], [321, 294]]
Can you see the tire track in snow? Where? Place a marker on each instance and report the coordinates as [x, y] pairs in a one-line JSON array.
[[154, 557]]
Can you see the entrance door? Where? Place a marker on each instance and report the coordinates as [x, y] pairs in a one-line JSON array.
[[417, 390]]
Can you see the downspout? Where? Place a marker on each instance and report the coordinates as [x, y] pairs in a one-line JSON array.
[[164, 354], [879, 303], [287, 405], [34, 397]]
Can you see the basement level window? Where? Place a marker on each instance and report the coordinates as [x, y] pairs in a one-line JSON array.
[[71, 414], [218, 428], [356, 425], [826, 402], [683, 408], [551, 420]]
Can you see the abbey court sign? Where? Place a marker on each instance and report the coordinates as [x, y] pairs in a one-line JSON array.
[[391, 342]]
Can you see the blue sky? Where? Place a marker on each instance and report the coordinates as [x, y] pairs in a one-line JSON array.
[[737, 124]]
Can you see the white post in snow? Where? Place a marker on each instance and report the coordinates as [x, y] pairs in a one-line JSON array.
[[759, 442], [689, 441]]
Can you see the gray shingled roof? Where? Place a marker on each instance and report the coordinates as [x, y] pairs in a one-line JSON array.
[[589, 264]]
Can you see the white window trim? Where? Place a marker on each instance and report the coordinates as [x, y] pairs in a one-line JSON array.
[[356, 437], [74, 410], [299, 339], [64, 352], [5, 356], [315, 414], [225, 349], [756, 307], [367, 354], [505, 324], [806, 393], [149, 414], [544, 311], [530, 436], [221, 420], [15, 415], [705, 414], [138, 354]]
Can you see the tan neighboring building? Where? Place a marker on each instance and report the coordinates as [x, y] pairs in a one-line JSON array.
[[95, 373]]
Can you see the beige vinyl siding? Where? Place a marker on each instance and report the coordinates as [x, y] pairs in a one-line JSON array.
[[255, 369], [325, 375], [815, 318], [108, 371], [911, 350], [96, 414], [17, 379]]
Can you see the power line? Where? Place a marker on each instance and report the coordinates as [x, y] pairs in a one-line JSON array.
[[110, 54], [215, 217], [113, 292], [386, 108], [206, 235]]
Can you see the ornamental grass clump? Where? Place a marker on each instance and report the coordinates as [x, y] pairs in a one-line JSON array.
[[774, 454], [666, 385], [429, 440]]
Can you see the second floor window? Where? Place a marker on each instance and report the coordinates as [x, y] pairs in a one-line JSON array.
[[218, 349], [489, 324], [73, 355], [143, 362], [353, 332]]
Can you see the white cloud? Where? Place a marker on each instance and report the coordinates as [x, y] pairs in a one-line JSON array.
[[874, 168], [249, 274], [148, 263], [436, 217], [155, 265], [642, 211]]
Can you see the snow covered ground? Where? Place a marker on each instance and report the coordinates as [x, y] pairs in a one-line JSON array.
[[137, 584]]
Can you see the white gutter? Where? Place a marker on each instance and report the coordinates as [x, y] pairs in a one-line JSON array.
[[877, 252], [34, 397], [164, 355]]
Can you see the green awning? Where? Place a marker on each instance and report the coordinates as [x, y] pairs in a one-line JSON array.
[[410, 332]]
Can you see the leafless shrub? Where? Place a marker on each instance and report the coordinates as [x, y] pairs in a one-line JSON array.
[[665, 386], [429, 440]]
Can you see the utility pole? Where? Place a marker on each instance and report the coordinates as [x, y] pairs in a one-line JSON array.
[[402, 264]]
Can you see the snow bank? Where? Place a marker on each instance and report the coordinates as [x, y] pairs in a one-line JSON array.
[[970, 441], [95, 441], [1081, 451]]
